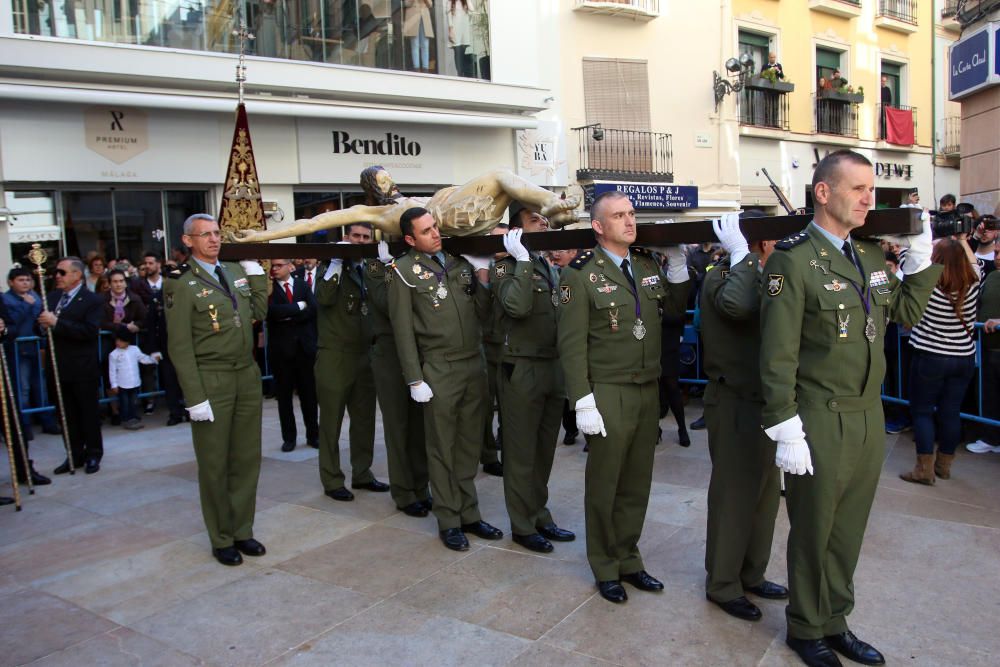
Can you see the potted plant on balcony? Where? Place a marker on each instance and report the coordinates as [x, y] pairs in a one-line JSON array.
[[845, 94], [768, 80]]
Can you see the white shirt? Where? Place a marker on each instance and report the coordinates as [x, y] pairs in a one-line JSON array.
[[157, 285], [123, 367], [306, 277]]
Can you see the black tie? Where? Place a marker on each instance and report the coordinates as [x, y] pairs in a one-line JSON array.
[[628, 276], [852, 258], [222, 279], [438, 260]]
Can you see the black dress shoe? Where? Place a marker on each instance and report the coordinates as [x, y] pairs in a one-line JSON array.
[[814, 652], [533, 542], [228, 556], [174, 420], [4, 500], [250, 547], [851, 647], [612, 591], [93, 465], [52, 430], [495, 469], [287, 446], [62, 468], [428, 503], [341, 494], [683, 439], [740, 608], [454, 539], [555, 533], [37, 478], [570, 437], [482, 529], [698, 424], [643, 581], [417, 509], [374, 485], [769, 590], [313, 443]]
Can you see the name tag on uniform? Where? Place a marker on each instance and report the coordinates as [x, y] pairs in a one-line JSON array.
[[650, 280], [878, 278]]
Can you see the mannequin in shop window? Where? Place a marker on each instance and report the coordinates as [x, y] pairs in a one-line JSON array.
[[418, 26]]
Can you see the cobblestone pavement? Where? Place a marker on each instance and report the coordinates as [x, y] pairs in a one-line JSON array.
[[115, 569]]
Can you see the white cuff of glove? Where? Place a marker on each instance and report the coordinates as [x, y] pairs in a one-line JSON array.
[[421, 392], [252, 268], [335, 267], [384, 255], [512, 243], [201, 412], [677, 271], [790, 429], [588, 418], [301, 304], [793, 457], [738, 255], [478, 262]]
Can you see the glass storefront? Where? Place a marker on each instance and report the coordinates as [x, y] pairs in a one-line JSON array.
[[438, 36]]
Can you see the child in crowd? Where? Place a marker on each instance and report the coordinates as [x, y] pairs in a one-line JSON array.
[[123, 372]]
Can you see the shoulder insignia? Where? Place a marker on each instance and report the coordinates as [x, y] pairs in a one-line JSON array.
[[775, 281], [790, 242], [375, 267], [725, 273], [500, 270], [582, 259], [640, 250], [178, 272]]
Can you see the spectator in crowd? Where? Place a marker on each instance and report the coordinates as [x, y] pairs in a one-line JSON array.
[[24, 305], [947, 203], [96, 279], [944, 360], [121, 305], [309, 273], [989, 315], [984, 242], [123, 375]]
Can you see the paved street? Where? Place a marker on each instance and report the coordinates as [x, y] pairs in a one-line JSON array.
[[115, 569]]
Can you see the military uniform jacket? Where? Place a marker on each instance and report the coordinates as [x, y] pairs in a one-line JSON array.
[[342, 319], [436, 312], [526, 295], [598, 322], [378, 298], [730, 326], [206, 328], [814, 350]]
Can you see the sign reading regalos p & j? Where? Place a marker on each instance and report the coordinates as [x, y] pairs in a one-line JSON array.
[[647, 196], [973, 62]]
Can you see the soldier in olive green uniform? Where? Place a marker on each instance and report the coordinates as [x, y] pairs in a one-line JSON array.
[[492, 344], [436, 304], [823, 318], [526, 289], [210, 309], [402, 417], [609, 344], [344, 378], [744, 491]]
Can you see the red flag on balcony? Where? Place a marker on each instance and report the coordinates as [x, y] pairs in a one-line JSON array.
[[898, 126]]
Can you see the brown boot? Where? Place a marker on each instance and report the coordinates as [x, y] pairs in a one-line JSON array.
[[923, 472], [942, 465]]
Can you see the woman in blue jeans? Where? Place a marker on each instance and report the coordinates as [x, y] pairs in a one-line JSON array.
[[944, 360]]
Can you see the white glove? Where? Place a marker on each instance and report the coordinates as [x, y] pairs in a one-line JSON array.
[[251, 268], [421, 392], [301, 304], [156, 356], [588, 419], [201, 412], [792, 454], [478, 262], [334, 268], [384, 255], [728, 230], [514, 247], [918, 247], [677, 270]]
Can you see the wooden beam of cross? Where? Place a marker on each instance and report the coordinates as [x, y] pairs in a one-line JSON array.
[[895, 221]]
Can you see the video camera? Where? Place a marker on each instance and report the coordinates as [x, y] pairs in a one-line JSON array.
[[949, 223]]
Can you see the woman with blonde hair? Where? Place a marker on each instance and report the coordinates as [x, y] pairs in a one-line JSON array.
[[944, 360]]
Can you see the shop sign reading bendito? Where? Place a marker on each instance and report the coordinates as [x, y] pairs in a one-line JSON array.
[[339, 150], [118, 134]]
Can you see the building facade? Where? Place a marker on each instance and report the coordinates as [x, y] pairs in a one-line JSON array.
[[857, 74]]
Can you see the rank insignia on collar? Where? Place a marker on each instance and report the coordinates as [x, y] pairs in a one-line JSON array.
[[565, 294], [775, 281], [823, 252]]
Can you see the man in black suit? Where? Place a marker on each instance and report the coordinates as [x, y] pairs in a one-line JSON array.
[[74, 315], [309, 273], [291, 348]]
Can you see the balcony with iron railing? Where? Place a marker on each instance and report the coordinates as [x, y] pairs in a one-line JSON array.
[[894, 133], [952, 144], [608, 154], [836, 113], [638, 10], [897, 15], [765, 104]]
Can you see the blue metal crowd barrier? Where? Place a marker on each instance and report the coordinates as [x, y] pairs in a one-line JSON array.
[[893, 391]]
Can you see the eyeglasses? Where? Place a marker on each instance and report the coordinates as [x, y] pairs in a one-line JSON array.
[[208, 235], [61, 272], [277, 266]]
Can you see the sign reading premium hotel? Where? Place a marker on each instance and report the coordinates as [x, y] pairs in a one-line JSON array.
[[647, 196], [118, 134]]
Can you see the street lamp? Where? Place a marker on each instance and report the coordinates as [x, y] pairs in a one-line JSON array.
[[742, 69]]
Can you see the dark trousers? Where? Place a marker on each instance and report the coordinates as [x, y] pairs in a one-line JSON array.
[[83, 418], [127, 400], [937, 387], [296, 374], [168, 383], [991, 394]]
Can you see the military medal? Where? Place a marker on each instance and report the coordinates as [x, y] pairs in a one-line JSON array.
[[870, 330], [639, 330], [842, 323], [442, 291], [364, 308], [214, 314], [416, 270], [237, 322], [613, 320], [555, 298]]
